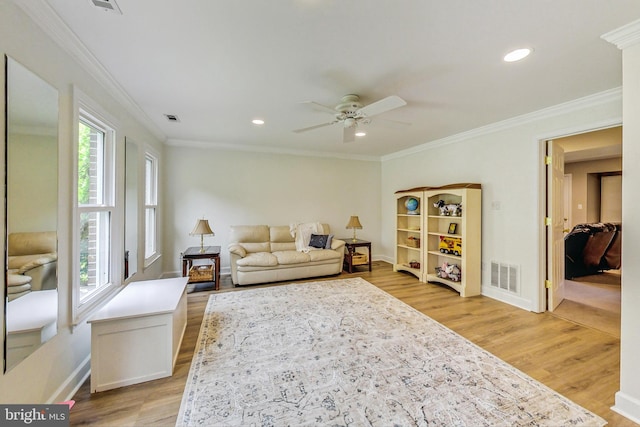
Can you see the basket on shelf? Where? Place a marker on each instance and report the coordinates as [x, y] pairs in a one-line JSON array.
[[413, 242], [201, 273]]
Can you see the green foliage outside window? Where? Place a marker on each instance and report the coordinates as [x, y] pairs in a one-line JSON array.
[[84, 181]]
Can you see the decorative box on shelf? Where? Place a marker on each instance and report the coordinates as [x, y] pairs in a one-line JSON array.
[[201, 273], [413, 242]]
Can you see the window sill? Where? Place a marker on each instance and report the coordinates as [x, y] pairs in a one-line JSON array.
[[148, 262], [86, 309]]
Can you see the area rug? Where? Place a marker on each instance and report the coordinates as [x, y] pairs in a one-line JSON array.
[[345, 353]]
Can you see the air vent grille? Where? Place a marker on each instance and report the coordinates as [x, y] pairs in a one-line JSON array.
[[505, 277], [172, 117], [107, 5]]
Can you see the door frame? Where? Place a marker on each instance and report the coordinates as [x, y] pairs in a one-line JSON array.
[[540, 298]]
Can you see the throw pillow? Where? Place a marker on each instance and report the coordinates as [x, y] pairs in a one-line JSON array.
[[318, 241], [329, 240]]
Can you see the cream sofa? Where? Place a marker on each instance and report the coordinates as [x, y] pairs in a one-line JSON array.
[[262, 253], [32, 262]]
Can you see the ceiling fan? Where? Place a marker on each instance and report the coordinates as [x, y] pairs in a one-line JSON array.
[[350, 112]]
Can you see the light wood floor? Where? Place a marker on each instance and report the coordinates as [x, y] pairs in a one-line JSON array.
[[594, 301], [577, 361]]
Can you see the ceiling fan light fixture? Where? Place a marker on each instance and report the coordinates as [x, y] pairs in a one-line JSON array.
[[517, 55]]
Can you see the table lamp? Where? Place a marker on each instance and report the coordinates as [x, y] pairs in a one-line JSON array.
[[202, 228], [354, 222]]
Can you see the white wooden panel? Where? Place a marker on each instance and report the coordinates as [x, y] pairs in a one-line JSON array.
[[136, 336], [131, 351]]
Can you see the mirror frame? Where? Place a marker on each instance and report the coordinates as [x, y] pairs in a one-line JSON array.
[[32, 317]]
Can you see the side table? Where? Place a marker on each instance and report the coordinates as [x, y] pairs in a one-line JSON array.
[[210, 252], [352, 258]]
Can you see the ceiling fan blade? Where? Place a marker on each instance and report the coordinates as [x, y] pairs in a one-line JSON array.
[[385, 104], [320, 107], [315, 127], [349, 134]]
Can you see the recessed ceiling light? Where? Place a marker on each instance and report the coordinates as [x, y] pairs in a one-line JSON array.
[[361, 133], [517, 55], [257, 121]]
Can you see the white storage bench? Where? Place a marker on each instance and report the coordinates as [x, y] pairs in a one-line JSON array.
[[136, 336]]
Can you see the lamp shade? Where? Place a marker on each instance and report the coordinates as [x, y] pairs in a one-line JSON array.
[[354, 222], [202, 228]]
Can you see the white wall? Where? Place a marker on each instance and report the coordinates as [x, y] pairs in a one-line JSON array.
[[505, 158], [628, 398], [30, 213], [52, 371], [236, 187], [587, 194]]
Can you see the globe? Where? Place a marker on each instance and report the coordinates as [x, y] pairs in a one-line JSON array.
[[411, 204]]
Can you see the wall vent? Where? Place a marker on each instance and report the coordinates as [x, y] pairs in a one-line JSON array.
[[107, 5], [505, 277]]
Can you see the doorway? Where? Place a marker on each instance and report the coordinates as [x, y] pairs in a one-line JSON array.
[[593, 161]]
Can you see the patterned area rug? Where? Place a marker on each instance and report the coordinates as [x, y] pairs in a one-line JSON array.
[[344, 352]]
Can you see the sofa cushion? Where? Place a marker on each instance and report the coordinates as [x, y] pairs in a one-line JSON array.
[[324, 254], [28, 243], [253, 238], [613, 256], [19, 282], [596, 247], [258, 259], [281, 234], [19, 261], [291, 257], [290, 246]]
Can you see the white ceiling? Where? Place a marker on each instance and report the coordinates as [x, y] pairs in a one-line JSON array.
[[219, 64]]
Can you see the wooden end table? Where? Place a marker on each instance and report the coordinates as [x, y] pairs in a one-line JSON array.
[[351, 246], [210, 252]]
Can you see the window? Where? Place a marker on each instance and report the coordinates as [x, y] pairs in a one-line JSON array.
[[150, 207], [95, 219]]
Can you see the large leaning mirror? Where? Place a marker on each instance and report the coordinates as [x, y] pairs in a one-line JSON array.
[[31, 108]]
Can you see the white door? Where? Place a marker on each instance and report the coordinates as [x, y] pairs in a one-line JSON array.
[[568, 197], [555, 225]]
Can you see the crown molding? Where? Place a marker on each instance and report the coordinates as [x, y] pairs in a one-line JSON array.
[[270, 150], [625, 36], [48, 20], [600, 98]]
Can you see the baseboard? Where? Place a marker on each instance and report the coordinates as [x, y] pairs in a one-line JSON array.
[[502, 296], [627, 406], [382, 258], [72, 384]]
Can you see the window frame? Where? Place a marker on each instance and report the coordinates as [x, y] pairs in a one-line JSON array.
[[151, 195], [86, 110]]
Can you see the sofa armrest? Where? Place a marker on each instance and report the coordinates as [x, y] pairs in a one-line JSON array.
[[237, 250], [336, 244], [37, 262]]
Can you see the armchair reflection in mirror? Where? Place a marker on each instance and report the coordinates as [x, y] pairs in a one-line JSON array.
[[31, 137]]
